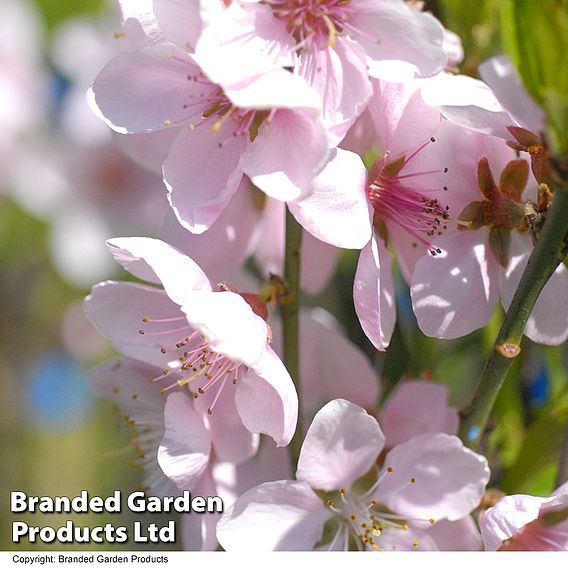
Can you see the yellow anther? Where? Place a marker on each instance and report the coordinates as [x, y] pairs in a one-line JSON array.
[[390, 469], [431, 521], [145, 319], [376, 532], [353, 517], [405, 527], [329, 502], [415, 543], [167, 122], [375, 547], [413, 480]]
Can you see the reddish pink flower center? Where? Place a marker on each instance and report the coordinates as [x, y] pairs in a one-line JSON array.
[[415, 210], [193, 364], [313, 23]]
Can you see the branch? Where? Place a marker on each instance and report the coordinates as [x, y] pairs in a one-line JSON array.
[[548, 253]]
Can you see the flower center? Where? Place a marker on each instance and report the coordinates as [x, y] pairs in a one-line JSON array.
[[418, 213], [362, 517], [313, 23], [194, 364], [207, 104]]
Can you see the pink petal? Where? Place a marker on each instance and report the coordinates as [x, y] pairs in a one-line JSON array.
[[267, 400], [202, 173], [339, 76], [148, 149], [508, 517], [342, 444], [401, 118], [289, 174], [416, 407], [250, 29], [223, 249], [117, 309], [180, 20], [458, 535], [456, 292], [228, 324], [146, 90], [281, 515], [337, 210], [139, 22], [231, 440], [449, 479], [125, 381], [390, 31], [373, 293], [501, 76], [318, 260], [548, 322], [198, 531], [184, 450], [331, 366], [467, 102], [156, 261]]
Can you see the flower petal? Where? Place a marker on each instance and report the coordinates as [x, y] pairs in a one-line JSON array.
[[508, 517], [156, 261], [267, 400], [229, 325], [339, 75], [223, 249], [467, 102], [455, 292], [280, 515], [117, 309], [416, 407], [231, 440], [202, 173], [288, 174], [184, 451], [180, 20], [337, 210], [146, 90], [341, 445], [373, 293], [500, 75], [198, 531], [449, 479], [548, 322], [391, 31]]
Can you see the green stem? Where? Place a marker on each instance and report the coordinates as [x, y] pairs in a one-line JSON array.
[[545, 258], [562, 473], [290, 317]]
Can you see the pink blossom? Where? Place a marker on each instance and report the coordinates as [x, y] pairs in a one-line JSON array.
[[427, 478], [172, 442], [252, 225], [416, 407], [210, 342], [524, 522], [334, 45], [393, 202], [456, 291], [226, 126]]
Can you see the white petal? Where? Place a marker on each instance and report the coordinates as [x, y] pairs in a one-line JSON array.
[[341, 445]]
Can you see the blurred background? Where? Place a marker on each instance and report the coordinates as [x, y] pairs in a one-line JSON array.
[[66, 187]]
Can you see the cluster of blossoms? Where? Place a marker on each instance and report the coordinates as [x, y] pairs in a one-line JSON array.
[[348, 113]]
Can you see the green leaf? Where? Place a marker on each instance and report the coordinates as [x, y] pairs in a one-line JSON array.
[[538, 455]]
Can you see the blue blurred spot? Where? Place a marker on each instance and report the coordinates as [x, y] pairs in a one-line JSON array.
[[539, 388], [59, 87], [57, 393], [473, 433]]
